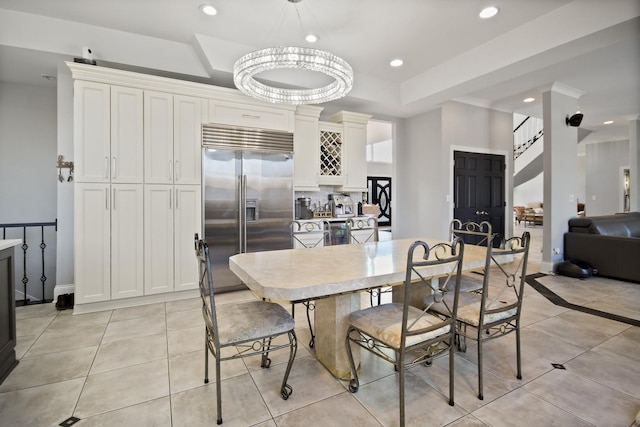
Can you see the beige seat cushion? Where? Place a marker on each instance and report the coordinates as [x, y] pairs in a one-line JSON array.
[[469, 309], [384, 322], [251, 320]]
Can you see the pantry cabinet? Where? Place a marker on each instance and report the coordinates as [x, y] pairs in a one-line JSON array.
[[172, 216], [108, 133], [108, 241], [172, 126]]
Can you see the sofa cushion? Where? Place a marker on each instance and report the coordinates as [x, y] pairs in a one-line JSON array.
[[622, 225]]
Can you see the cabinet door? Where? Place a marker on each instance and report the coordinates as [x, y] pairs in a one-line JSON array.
[[331, 154], [158, 138], [306, 147], [187, 128], [355, 157], [92, 243], [186, 224], [127, 244], [158, 237], [91, 131], [127, 162]]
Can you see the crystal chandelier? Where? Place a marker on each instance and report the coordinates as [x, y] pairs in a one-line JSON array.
[[300, 58]]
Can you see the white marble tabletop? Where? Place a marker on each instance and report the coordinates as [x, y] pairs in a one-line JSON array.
[[9, 243], [299, 274]]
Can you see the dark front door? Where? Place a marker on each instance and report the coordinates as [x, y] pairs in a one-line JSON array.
[[479, 189], [380, 194]]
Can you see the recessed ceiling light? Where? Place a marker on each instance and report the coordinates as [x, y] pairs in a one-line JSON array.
[[528, 99], [207, 9], [396, 63], [608, 122], [488, 12], [311, 38]]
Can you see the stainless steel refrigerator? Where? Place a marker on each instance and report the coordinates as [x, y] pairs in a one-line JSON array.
[[248, 195]]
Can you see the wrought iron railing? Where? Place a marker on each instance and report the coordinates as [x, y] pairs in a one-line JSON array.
[[29, 233], [525, 135]]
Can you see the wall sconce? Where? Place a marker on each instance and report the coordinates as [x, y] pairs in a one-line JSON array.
[[574, 120]]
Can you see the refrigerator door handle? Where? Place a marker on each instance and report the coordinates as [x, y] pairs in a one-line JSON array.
[[240, 236], [244, 214]]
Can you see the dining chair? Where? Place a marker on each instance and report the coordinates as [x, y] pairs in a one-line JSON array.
[[250, 327], [361, 230], [402, 334], [495, 311], [309, 234], [477, 234]]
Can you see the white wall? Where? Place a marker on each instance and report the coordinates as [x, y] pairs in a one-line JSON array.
[[530, 191], [424, 163], [603, 177], [65, 190], [28, 173], [417, 156]]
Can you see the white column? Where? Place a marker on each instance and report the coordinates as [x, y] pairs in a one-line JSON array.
[[634, 163], [560, 165]]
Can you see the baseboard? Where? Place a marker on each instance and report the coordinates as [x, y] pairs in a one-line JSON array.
[[135, 301], [61, 290], [547, 267]]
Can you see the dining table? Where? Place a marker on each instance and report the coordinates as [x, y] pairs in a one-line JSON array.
[[334, 276]]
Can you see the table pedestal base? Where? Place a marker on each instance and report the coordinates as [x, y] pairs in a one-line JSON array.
[[331, 325]]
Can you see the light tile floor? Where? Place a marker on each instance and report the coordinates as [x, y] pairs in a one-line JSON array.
[[143, 366]]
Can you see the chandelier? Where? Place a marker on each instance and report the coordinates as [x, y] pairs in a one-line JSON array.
[[293, 57]]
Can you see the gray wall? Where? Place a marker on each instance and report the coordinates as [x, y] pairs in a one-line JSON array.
[[603, 176], [424, 166], [28, 174]]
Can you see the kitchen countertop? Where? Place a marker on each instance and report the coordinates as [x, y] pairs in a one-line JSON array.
[[9, 243], [334, 219]]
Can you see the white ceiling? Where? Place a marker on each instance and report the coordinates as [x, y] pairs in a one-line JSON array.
[[449, 53]]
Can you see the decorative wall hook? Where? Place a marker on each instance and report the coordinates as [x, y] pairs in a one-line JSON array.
[[64, 165]]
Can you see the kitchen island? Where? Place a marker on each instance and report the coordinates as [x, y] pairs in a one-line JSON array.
[[7, 308], [333, 276]]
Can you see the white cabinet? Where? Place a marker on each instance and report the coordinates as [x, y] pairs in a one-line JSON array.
[[172, 217], [354, 153], [331, 154], [187, 135], [108, 133], [158, 138], [126, 135], [248, 114], [172, 150], [306, 147], [108, 241]]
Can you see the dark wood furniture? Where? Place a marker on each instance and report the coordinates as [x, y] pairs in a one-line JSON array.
[[7, 314]]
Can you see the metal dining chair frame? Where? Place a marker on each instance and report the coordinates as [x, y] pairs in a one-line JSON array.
[[250, 345], [400, 313], [370, 223], [304, 228]]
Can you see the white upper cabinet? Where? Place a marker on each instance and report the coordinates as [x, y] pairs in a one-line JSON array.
[[126, 135], [250, 114], [187, 130], [108, 133], [354, 160], [92, 132], [158, 138], [172, 128], [306, 147]]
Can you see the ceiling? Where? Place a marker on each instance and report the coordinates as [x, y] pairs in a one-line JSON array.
[[449, 53]]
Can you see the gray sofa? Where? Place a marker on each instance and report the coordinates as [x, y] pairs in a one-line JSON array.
[[609, 243]]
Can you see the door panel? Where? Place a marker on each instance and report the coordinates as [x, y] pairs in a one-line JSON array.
[[380, 194], [269, 200], [479, 189], [221, 226]]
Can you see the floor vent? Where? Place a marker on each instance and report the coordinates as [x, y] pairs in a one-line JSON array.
[[69, 421]]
